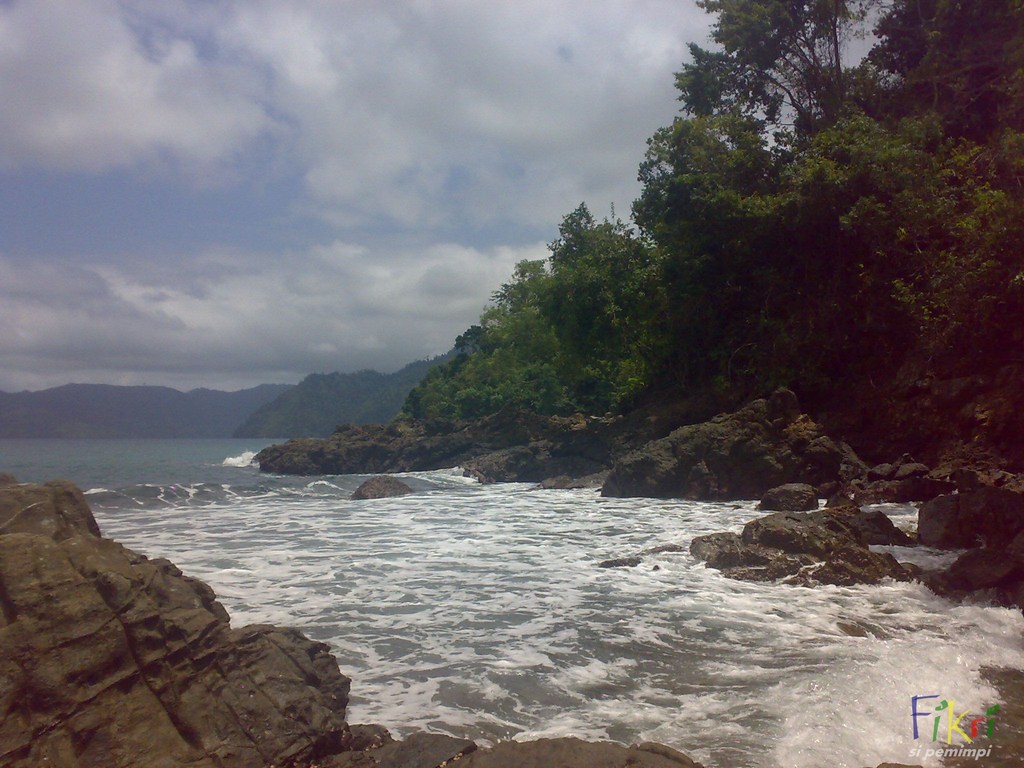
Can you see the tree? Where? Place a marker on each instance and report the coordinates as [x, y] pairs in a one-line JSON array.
[[780, 61]]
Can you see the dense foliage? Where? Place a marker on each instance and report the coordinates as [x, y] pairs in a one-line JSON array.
[[803, 222]]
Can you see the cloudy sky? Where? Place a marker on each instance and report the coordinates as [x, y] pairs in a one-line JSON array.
[[220, 193]]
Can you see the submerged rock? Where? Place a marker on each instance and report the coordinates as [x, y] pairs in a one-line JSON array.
[[736, 455], [381, 487]]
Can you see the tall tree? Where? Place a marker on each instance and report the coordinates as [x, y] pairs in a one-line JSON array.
[[780, 60]]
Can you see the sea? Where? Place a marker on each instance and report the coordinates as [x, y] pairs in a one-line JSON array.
[[480, 610]]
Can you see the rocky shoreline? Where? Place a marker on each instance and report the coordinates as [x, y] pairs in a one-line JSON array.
[[108, 657]]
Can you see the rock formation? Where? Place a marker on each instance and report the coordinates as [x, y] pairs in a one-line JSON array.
[[381, 487], [110, 659], [821, 547], [738, 455]]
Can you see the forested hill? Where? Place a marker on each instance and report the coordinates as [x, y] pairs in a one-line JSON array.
[[320, 402], [805, 221], [101, 410]]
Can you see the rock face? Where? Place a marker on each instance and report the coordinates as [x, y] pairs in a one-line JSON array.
[[381, 487], [822, 547], [110, 659], [989, 523], [983, 516], [734, 456]]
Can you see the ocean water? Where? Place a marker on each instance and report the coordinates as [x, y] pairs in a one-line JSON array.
[[479, 611]]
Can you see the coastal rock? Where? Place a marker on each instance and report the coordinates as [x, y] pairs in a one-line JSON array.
[[573, 753], [381, 487], [791, 497], [734, 456], [510, 446], [821, 547], [110, 659], [984, 516]]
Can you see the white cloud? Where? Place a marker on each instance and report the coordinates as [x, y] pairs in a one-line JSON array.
[[462, 130], [255, 319]]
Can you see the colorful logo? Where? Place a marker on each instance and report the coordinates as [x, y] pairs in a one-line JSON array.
[[947, 725]]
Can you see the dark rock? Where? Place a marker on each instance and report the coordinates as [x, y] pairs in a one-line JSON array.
[[792, 497], [910, 470], [7, 479], [566, 482], [984, 568], [110, 659], [734, 456], [381, 487], [919, 489], [984, 516], [872, 525], [664, 549], [801, 548], [422, 750], [620, 562], [882, 472], [573, 753]]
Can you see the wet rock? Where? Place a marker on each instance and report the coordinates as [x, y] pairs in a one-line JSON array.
[[984, 516], [792, 497], [381, 487], [418, 750], [110, 659], [733, 456], [621, 562], [573, 753], [821, 547]]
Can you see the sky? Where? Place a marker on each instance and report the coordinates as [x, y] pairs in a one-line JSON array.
[[211, 193]]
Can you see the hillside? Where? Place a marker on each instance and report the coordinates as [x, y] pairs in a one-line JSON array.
[[102, 410], [322, 401]]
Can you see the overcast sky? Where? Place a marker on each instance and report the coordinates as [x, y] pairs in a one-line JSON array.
[[217, 193]]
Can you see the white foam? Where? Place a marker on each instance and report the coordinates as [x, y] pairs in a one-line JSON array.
[[244, 459], [478, 610]]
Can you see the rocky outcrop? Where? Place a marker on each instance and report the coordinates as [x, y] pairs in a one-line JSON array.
[[791, 497], [381, 487], [989, 523], [822, 547], [510, 446], [737, 455], [108, 658], [984, 516]]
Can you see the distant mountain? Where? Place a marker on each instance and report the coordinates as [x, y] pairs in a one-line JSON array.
[[322, 401], [102, 410]]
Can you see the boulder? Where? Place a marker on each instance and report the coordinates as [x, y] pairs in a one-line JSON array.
[[381, 487], [791, 497], [737, 455], [110, 659], [984, 516], [821, 547]]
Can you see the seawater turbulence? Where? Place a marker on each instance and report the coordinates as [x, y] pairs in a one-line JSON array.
[[479, 611]]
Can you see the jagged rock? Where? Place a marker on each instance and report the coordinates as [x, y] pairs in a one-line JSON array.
[[573, 753], [822, 547], [733, 456], [984, 516], [791, 497], [110, 659], [381, 487]]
